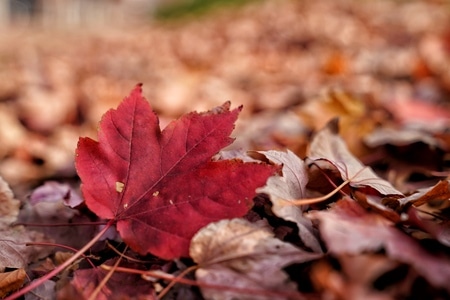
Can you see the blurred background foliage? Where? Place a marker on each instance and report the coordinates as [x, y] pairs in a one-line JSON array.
[[63, 63], [195, 8], [111, 12]]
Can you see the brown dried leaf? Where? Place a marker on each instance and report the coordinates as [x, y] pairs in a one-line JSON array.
[[240, 254], [13, 250], [328, 146], [11, 281], [290, 186], [440, 191], [348, 229]]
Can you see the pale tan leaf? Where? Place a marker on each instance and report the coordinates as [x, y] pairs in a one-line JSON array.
[[328, 146], [290, 186], [240, 254]]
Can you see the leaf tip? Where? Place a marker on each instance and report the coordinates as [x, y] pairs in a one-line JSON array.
[[137, 89]]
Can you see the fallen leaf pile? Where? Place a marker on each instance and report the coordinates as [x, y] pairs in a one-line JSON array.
[[334, 183]]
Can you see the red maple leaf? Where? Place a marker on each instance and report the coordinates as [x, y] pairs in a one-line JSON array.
[[161, 187]]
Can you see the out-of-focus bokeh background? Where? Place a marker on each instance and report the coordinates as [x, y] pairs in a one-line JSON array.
[[293, 64]]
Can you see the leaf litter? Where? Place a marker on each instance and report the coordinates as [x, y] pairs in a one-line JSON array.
[[388, 192], [170, 196]]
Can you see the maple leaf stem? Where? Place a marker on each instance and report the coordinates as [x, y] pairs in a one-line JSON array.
[[129, 258], [318, 199], [325, 197], [61, 267]]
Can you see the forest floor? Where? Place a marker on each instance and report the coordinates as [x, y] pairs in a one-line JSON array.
[[382, 68]]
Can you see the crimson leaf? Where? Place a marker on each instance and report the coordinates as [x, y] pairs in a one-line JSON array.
[[161, 187]]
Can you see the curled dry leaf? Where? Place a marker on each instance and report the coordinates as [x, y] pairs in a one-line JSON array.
[[392, 206], [53, 191], [290, 186], [348, 229], [440, 191], [328, 146], [244, 255], [11, 281]]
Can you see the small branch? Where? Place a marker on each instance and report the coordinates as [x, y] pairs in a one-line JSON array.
[[129, 258]]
